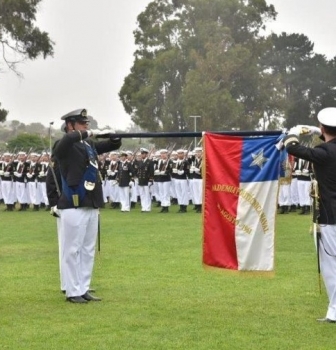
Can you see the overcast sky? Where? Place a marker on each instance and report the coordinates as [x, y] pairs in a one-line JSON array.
[[94, 53]]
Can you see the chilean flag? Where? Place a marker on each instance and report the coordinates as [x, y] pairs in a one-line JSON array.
[[240, 200]]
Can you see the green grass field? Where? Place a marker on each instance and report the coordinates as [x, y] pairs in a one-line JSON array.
[[156, 293]]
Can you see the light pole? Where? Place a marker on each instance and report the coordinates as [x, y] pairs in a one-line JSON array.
[[195, 128], [50, 124]]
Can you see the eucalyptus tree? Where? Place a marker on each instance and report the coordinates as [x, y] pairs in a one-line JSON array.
[[198, 57], [307, 80]]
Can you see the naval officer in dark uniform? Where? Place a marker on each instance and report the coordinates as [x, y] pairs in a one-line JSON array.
[[145, 173], [323, 158], [81, 197]]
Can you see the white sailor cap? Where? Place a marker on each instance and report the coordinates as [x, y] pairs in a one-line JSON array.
[[327, 116], [76, 115], [198, 149], [6, 154], [22, 153], [123, 153], [34, 154], [174, 153], [144, 150], [163, 150], [113, 153], [180, 150], [129, 153]]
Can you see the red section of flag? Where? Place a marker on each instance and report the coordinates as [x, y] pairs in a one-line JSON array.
[[220, 206]]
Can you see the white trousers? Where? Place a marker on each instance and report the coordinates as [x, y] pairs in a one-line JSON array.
[[124, 198], [164, 193], [135, 191], [78, 235], [21, 191], [284, 195], [294, 194], [34, 195], [8, 192], [145, 198], [328, 266], [114, 191], [303, 190], [43, 193], [106, 190], [155, 191], [197, 191], [60, 254], [182, 191], [173, 188]]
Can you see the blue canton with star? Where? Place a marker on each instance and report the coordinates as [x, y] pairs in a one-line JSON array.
[[260, 160]]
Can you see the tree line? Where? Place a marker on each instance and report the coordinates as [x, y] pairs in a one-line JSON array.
[[212, 58], [209, 58]]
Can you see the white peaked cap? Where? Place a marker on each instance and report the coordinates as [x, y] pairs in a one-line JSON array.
[[327, 116]]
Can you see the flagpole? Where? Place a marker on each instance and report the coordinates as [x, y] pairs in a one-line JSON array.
[[188, 134], [50, 124]]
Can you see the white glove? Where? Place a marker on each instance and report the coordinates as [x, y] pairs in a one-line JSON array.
[[162, 172], [192, 169], [305, 171], [175, 171], [54, 211], [131, 184], [106, 132], [109, 172], [17, 174], [157, 172], [197, 171], [7, 174], [41, 173], [93, 132], [304, 130], [30, 175], [296, 130], [180, 172], [1, 172], [313, 130]]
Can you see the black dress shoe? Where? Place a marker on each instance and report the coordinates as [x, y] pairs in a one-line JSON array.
[[76, 300], [88, 297], [325, 320]]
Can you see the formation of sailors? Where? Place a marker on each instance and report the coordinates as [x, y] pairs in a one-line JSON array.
[[165, 177], [295, 185], [23, 180]]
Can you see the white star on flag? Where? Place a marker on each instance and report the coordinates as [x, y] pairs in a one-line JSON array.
[[259, 159]]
